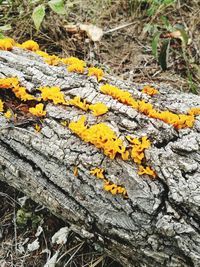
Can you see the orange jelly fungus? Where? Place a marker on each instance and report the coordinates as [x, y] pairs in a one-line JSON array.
[[77, 67], [146, 170], [30, 45], [8, 114], [72, 61], [138, 147], [52, 93], [52, 60], [98, 109], [98, 172], [6, 44], [75, 64], [8, 83], [96, 72], [149, 90], [42, 53], [49, 59], [114, 189], [177, 120], [76, 101], [100, 135], [107, 185], [38, 110], [1, 105], [19, 91], [194, 111], [37, 128]]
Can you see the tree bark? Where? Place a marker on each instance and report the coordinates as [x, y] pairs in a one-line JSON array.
[[159, 223]]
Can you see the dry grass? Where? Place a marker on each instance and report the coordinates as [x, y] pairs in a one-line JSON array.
[[15, 237], [126, 52]]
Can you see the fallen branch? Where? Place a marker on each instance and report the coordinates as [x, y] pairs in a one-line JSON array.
[[158, 223]]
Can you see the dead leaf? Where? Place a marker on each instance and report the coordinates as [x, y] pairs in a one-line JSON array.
[[93, 32], [60, 237], [175, 34], [34, 245], [71, 28], [179, 34], [75, 171]]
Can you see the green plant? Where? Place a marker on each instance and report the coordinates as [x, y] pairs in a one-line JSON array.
[[168, 39], [25, 215], [4, 28], [150, 7], [156, 6], [39, 11]]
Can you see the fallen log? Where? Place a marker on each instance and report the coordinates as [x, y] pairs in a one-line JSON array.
[[157, 223]]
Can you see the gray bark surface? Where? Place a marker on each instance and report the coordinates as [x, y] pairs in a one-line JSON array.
[[159, 224]]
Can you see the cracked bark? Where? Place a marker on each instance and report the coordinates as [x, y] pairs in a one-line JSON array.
[[159, 224]]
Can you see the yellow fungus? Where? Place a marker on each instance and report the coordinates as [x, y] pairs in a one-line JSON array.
[[9, 83], [76, 101], [8, 114], [37, 128], [72, 61], [98, 109], [52, 93], [76, 67], [96, 72], [63, 123], [52, 60], [38, 110], [177, 120], [75, 171], [6, 44], [149, 90], [114, 189], [42, 53], [194, 111], [146, 170], [13, 84], [100, 135], [1, 105], [138, 147], [30, 45], [98, 172], [20, 92]]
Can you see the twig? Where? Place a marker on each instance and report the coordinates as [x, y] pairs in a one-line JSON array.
[[15, 228], [74, 254], [119, 28]]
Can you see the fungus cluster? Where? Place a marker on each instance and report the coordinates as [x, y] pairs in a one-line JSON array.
[[19, 91], [104, 138], [97, 109], [7, 44], [177, 120], [138, 147], [52, 93], [101, 136], [149, 90], [74, 64], [38, 110], [1, 105], [108, 185]]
